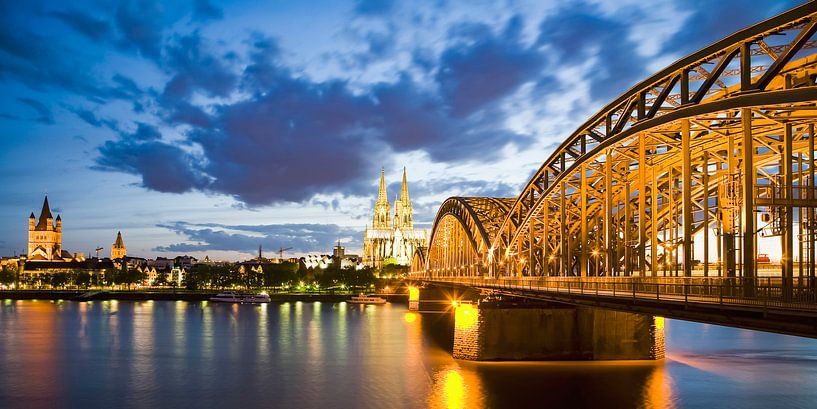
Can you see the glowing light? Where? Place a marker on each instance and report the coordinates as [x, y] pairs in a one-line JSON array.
[[659, 323], [595, 252], [410, 317], [454, 390], [465, 316], [414, 294]]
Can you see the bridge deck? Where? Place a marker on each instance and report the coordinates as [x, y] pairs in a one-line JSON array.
[[721, 301]]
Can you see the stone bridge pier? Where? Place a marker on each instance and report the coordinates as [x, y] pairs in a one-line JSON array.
[[502, 330]]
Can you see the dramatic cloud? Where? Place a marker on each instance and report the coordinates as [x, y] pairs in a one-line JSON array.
[[92, 28], [204, 10], [578, 34], [44, 114], [710, 21], [373, 7], [481, 68], [163, 167], [298, 107], [140, 25], [303, 238], [294, 138]]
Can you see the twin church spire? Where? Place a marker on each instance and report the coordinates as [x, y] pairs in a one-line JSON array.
[[403, 218]]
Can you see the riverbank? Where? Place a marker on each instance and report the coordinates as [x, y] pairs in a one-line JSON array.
[[138, 295]]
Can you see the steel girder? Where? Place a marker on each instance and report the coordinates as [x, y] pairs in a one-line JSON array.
[[614, 196]]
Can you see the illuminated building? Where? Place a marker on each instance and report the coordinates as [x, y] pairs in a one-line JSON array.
[[392, 238], [118, 249], [45, 237]]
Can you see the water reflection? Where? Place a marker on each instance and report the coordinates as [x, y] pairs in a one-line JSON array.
[[169, 354]]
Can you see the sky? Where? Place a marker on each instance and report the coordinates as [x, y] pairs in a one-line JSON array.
[[208, 127]]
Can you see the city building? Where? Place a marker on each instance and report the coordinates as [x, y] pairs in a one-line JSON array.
[[45, 237], [118, 249], [392, 239]]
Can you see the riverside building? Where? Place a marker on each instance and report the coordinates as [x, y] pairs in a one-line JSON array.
[[392, 239]]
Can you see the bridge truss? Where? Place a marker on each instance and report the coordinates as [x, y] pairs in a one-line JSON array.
[[717, 148]]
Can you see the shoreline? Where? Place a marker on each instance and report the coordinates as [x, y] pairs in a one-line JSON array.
[[102, 295]]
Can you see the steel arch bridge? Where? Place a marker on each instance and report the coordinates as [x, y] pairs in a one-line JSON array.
[[707, 155]]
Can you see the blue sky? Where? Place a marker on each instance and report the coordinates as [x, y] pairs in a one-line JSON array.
[[207, 127]]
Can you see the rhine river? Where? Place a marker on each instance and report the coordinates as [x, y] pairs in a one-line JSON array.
[[337, 355]]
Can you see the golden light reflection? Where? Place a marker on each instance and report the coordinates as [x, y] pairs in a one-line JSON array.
[[410, 317], [456, 387], [454, 390], [658, 391]]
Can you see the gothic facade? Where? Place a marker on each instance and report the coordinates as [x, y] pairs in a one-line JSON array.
[[392, 237], [45, 236]]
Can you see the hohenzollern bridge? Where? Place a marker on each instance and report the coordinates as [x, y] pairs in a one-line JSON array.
[[662, 201]]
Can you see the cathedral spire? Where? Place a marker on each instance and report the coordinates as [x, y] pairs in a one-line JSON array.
[[404, 194], [118, 243], [45, 214], [382, 197], [382, 211]]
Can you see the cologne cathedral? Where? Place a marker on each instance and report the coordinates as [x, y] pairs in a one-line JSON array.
[[392, 238]]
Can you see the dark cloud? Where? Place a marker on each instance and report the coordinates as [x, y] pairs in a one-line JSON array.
[[91, 27], [481, 68], [711, 21], [44, 64], [140, 24], [373, 7], [162, 167], [294, 138], [196, 69], [204, 10], [577, 34], [90, 118], [44, 114], [10, 116], [301, 237]]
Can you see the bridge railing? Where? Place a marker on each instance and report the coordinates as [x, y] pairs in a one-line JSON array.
[[766, 292]]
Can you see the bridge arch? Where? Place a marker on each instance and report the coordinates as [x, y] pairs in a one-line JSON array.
[[691, 153], [462, 235]]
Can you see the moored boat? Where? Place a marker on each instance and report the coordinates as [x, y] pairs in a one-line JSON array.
[[233, 297], [366, 299]]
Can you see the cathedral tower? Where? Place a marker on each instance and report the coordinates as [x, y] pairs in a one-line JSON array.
[[382, 209], [403, 218], [118, 249], [392, 240], [45, 237]]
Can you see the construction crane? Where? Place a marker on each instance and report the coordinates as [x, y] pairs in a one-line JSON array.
[[97, 251], [281, 252]]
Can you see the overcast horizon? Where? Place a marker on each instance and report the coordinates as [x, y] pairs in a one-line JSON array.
[[208, 127]]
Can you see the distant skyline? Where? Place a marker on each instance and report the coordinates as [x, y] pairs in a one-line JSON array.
[[205, 127]]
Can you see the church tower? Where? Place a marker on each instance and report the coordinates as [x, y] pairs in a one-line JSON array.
[[118, 249], [403, 218], [45, 237], [382, 209]]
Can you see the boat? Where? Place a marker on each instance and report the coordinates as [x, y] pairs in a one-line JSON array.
[[365, 299], [233, 297]]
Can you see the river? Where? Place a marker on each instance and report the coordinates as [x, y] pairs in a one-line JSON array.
[[336, 355]]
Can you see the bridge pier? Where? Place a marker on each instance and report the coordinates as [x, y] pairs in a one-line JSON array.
[[540, 331]]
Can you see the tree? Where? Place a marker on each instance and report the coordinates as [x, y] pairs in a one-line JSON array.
[[59, 279], [277, 275], [8, 275], [81, 278]]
